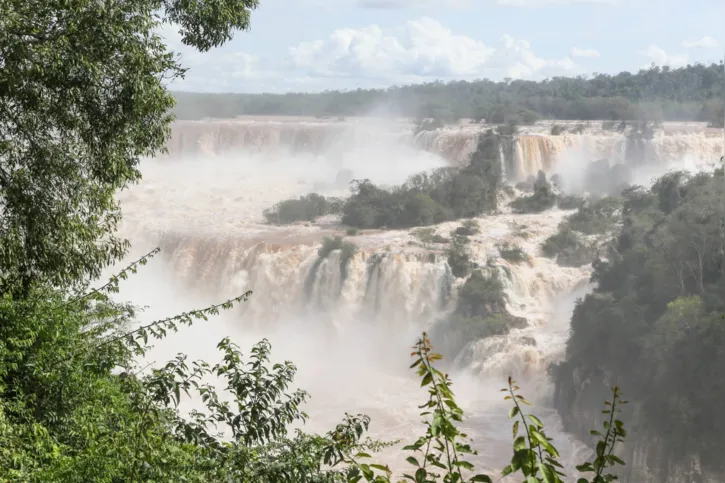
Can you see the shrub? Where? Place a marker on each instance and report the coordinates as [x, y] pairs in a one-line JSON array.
[[468, 228], [425, 235], [597, 217], [568, 249], [459, 256], [306, 208], [543, 198], [570, 202], [557, 130], [512, 254], [347, 251]]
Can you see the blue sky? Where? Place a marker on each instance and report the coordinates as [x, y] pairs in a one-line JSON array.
[[313, 45]]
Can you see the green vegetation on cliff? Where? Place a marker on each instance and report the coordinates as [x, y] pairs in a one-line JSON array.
[[654, 324], [659, 93], [569, 245]]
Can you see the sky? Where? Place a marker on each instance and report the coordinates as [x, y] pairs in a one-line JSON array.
[[317, 45]]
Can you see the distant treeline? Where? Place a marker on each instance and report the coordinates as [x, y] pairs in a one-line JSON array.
[[692, 93]]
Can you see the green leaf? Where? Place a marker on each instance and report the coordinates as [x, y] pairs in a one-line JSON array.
[[420, 475], [520, 443], [482, 479], [427, 379], [516, 428], [513, 412], [412, 461], [548, 473], [536, 421], [544, 442]]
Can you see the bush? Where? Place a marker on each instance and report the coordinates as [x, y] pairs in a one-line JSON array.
[[568, 249], [425, 235], [557, 130], [468, 228], [480, 312], [352, 232], [512, 254], [543, 198], [597, 217], [459, 256], [440, 239], [570, 202], [481, 296], [306, 208]]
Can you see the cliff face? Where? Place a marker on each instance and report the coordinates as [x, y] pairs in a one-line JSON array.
[[579, 398]]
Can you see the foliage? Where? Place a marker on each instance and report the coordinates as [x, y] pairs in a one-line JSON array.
[[480, 312], [306, 208], [481, 296], [82, 99], [430, 198], [512, 253], [537, 458], [543, 198], [593, 217], [347, 252], [439, 455], [425, 235], [597, 216], [568, 248], [654, 322], [459, 256], [570, 202], [557, 130], [678, 94], [468, 228]]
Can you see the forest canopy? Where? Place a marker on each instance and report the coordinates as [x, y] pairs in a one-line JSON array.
[[691, 93]]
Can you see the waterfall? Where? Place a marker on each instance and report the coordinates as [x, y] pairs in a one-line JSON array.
[[533, 149], [348, 322]]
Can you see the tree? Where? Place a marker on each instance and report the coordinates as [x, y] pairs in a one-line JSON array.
[[82, 99]]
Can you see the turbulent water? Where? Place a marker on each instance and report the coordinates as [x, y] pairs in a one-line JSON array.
[[533, 150], [349, 330]]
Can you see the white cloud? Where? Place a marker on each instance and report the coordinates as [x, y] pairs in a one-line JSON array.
[[660, 57], [706, 42], [421, 49], [417, 51], [577, 52]]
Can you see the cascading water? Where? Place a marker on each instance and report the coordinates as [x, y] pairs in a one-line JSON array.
[[532, 150], [348, 321]]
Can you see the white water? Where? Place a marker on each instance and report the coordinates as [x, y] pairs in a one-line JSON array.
[[349, 337], [533, 150]]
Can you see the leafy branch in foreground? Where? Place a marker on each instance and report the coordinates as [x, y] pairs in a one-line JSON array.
[[439, 454], [112, 285], [112, 318]]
